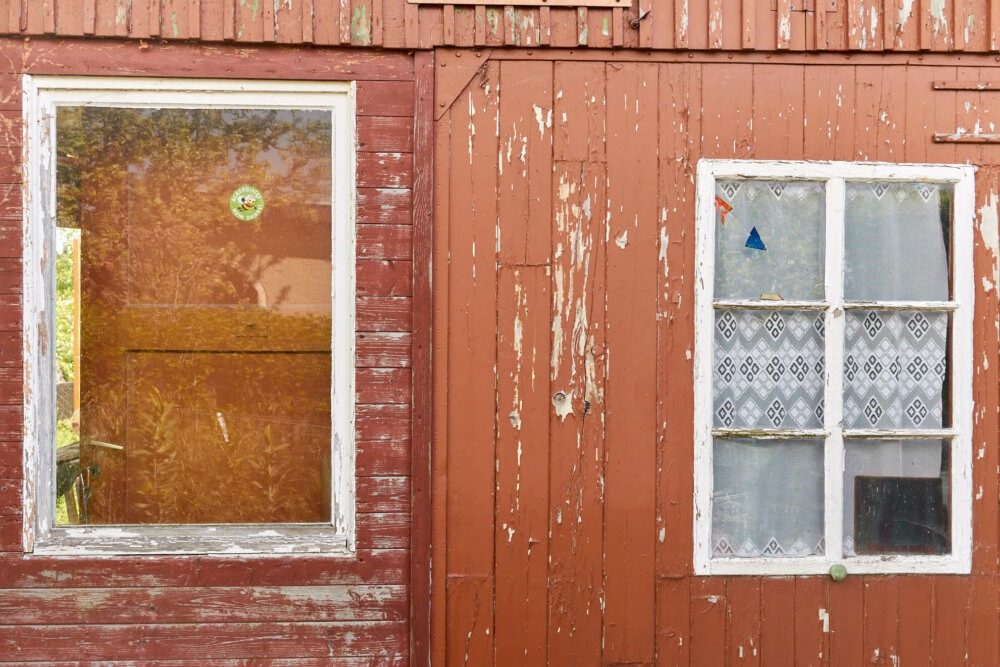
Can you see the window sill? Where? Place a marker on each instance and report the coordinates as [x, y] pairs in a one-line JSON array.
[[854, 565], [256, 540]]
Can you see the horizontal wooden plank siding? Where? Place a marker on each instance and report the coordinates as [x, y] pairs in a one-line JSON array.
[[350, 609], [576, 297], [765, 25]]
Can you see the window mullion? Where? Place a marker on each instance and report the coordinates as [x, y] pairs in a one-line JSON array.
[[834, 350]]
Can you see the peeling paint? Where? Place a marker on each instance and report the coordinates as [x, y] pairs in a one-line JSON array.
[[824, 617], [622, 240], [563, 403]]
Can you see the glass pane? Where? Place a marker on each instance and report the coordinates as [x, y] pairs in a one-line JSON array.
[[896, 369], [767, 499], [769, 369], [200, 392], [769, 240], [896, 241], [896, 497]]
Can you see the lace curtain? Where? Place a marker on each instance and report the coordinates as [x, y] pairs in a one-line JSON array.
[[769, 365]]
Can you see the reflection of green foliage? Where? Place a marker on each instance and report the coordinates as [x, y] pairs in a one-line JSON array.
[[64, 311], [150, 189]]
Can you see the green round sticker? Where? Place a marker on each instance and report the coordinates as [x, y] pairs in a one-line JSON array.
[[246, 202]]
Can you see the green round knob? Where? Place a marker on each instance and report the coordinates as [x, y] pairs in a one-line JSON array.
[[838, 572]]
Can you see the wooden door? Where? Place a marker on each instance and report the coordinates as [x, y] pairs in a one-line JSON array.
[[205, 317]]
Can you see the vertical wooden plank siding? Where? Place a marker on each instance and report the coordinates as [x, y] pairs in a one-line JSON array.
[[587, 277], [471, 373], [576, 460], [630, 393]]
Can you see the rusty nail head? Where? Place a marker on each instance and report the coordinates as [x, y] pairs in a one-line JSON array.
[[458, 55], [597, 350], [559, 396]]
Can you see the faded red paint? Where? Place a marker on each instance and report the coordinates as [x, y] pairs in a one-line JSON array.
[[348, 609], [615, 371], [765, 25]]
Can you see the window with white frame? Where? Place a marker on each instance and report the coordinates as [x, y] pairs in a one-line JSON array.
[[189, 316], [833, 367]]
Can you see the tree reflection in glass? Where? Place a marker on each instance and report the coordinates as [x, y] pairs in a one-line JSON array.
[[204, 338]]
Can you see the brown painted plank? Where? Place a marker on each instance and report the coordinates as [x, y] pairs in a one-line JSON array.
[[440, 222], [385, 170], [951, 605], [916, 609], [85, 606], [384, 241], [828, 113], [743, 634], [673, 621], [728, 111], [881, 614], [525, 194], [385, 98], [390, 206], [421, 433], [982, 647], [366, 567], [630, 393], [383, 494], [389, 314], [387, 530], [881, 115], [522, 460], [778, 94], [383, 385], [381, 277], [472, 408], [680, 144], [928, 111], [578, 114], [382, 458], [576, 461], [708, 621], [811, 642], [388, 133], [201, 641], [778, 622], [382, 422], [847, 621]]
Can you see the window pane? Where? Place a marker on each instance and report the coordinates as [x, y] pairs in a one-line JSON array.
[[768, 369], [896, 241], [896, 369], [896, 497], [203, 320], [769, 240], [768, 498]]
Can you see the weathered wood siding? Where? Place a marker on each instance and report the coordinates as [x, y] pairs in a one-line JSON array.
[[343, 610], [564, 340], [765, 25]]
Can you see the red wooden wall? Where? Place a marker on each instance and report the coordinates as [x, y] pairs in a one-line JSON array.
[[764, 25], [341, 610], [564, 221]]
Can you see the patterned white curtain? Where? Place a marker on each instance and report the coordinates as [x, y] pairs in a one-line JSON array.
[[769, 366]]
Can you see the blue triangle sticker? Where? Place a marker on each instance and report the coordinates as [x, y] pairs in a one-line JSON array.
[[753, 241]]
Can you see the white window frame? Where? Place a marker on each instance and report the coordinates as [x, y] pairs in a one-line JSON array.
[[835, 174], [42, 95]]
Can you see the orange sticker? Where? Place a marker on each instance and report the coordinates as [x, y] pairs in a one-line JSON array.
[[726, 208]]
